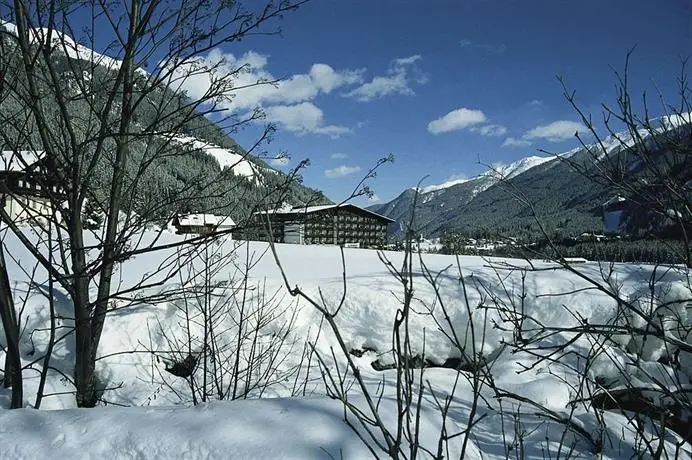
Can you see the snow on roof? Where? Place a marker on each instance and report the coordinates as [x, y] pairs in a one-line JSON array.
[[311, 209], [674, 213], [12, 160], [615, 199], [194, 220]]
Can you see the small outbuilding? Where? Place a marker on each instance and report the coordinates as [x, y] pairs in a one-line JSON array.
[[26, 194], [614, 213], [201, 224]]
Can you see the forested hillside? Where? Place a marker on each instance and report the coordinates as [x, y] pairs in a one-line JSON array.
[[167, 175]]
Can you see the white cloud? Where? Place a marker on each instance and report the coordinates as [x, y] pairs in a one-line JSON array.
[[279, 161], [300, 117], [341, 171], [252, 84], [457, 119], [556, 131], [470, 44], [397, 81], [513, 142], [456, 177], [407, 60], [333, 131], [339, 156], [490, 130], [382, 86], [303, 118], [374, 198], [328, 79]]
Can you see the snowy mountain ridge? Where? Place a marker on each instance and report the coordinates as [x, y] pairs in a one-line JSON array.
[[442, 186], [495, 173], [501, 171], [626, 139], [68, 46], [550, 182]]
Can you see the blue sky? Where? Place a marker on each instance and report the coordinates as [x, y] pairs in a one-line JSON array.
[[447, 85], [485, 70]]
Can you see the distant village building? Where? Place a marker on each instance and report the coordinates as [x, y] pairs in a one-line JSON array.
[[24, 193], [590, 237], [644, 214], [202, 224], [346, 224], [614, 213]]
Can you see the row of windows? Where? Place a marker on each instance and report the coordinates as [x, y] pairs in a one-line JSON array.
[[340, 218], [32, 185], [350, 218], [327, 221], [330, 231], [366, 226], [370, 224], [330, 241]]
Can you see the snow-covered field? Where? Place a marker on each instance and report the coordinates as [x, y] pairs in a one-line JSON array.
[[294, 418]]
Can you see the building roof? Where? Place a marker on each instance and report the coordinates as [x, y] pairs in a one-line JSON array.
[[195, 220], [313, 209], [617, 199], [11, 160]]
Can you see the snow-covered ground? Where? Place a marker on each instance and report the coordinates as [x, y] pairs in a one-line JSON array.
[[227, 158], [294, 418]]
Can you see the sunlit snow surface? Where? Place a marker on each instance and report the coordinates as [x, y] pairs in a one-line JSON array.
[[161, 423]]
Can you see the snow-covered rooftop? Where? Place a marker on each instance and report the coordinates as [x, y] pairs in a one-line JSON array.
[[194, 220], [614, 200], [18, 160]]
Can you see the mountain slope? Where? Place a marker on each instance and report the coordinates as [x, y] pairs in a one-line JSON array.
[[438, 204], [508, 199], [202, 168]]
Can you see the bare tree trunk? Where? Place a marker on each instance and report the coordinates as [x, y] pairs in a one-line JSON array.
[[90, 322], [13, 364], [51, 340]]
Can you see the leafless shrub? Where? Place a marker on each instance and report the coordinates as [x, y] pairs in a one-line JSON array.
[[233, 337]]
